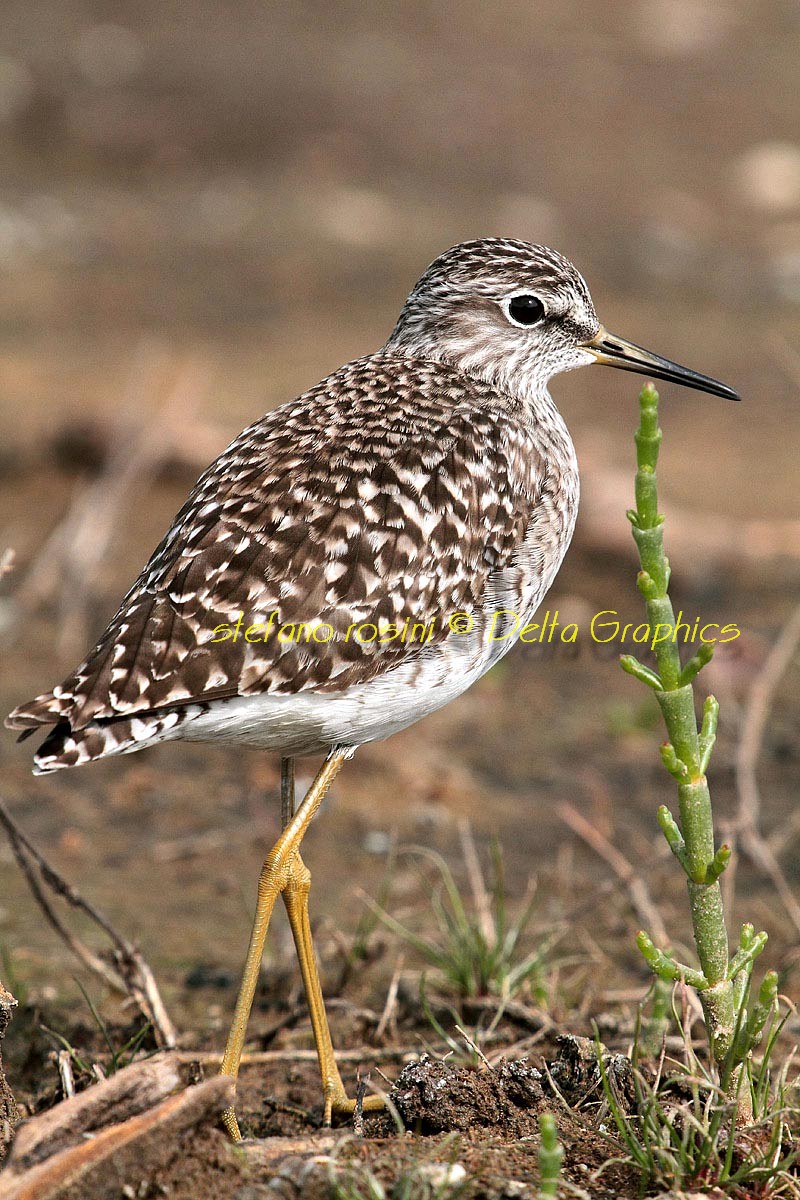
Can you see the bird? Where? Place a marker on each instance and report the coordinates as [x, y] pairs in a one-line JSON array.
[[432, 479]]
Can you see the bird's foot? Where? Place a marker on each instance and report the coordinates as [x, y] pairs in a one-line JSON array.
[[338, 1104], [231, 1125]]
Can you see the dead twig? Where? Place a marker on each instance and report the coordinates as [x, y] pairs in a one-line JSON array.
[[358, 1112], [520, 1049], [754, 724], [8, 1106], [520, 1014], [65, 1073], [94, 1129], [784, 834], [474, 1047], [131, 974], [260, 1057], [388, 1018], [128, 1092], [755, 718], [477, 884], [640, 897]]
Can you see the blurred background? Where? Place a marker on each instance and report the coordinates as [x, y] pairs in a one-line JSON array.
[[206, 207]]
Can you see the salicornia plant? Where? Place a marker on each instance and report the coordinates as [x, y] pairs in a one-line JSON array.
[[723, 981], [551, 1156]]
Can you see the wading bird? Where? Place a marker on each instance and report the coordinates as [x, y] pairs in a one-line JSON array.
[[434, 477]]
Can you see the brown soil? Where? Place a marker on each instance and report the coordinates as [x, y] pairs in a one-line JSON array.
[[169, 845]]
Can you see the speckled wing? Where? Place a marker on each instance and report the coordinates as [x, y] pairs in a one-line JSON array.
[[392, 490]]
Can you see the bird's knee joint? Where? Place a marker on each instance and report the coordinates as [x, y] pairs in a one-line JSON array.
[[284, 870], [299, 877], [276, 871]]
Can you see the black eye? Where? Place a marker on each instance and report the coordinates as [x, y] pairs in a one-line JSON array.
[[525, 310]]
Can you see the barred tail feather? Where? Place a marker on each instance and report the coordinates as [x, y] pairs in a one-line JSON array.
[[46, 709], [67, 747]]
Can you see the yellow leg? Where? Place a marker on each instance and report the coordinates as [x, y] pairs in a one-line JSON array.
[[295, 897], [276, 873]]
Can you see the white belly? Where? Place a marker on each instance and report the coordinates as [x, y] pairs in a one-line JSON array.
[[313, 722]]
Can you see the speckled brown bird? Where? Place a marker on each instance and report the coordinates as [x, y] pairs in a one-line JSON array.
[[434, 477]]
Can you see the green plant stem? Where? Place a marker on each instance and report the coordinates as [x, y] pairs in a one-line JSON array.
[[686, 757], [551, 1156]]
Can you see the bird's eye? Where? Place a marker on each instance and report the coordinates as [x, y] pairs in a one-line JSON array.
[[525, 310]]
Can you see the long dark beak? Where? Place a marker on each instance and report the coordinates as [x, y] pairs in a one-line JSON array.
[[616, 352]]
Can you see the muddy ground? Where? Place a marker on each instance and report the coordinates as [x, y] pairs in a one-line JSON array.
[[241, 205], [169, 845]]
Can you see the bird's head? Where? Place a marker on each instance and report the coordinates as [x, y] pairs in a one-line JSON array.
[[516, 314]]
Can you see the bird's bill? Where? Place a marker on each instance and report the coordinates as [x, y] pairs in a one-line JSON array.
[[614, 351]]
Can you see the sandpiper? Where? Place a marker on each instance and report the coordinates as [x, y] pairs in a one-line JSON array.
[[432, 480]]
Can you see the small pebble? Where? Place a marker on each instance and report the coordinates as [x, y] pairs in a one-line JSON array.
[[442, 1175], [377, 841]]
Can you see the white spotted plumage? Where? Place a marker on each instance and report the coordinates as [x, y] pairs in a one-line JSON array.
[[432, 477]]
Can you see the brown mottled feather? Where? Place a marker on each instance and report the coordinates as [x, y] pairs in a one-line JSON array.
[[371, 497]]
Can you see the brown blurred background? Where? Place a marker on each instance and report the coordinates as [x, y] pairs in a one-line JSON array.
[[205, 207], [263, 182]]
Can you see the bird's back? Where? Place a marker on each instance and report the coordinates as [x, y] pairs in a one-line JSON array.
[[396, 490]]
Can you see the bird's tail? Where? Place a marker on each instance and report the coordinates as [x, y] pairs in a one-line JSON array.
[[67, 747]]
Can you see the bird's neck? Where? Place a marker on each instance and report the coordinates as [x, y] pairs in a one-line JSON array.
[[518, 383]]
